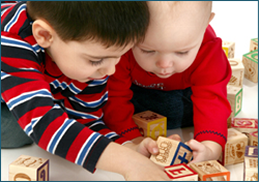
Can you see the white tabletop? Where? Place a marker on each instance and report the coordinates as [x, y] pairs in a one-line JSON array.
[[235, 21]]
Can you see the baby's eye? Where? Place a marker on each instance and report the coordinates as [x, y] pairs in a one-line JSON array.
[[147, 52], [182, 53], [96, 63]]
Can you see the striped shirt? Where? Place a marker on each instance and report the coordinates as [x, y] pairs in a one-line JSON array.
[[62, 116]]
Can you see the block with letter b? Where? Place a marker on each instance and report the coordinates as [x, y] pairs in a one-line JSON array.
[[181, 172], [250, 61], [211, 171], [151, 124], [171, 152], [229, 48], [28, 168]]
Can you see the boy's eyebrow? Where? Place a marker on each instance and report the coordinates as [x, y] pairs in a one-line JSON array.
[[101, 57]]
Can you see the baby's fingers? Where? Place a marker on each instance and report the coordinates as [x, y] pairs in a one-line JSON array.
[[175, 137]]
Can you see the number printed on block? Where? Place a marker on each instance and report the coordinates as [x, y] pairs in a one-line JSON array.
[[151, 124], [250, 61], [229, 48], [181, 172], [171, 152], [211, 171], [28, 168]]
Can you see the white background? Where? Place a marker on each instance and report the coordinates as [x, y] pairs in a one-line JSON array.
[[235, 21]]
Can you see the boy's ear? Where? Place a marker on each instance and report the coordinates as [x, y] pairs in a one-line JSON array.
[[211, 17], [43, 33]]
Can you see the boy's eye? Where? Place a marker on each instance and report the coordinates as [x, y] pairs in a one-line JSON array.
[[96, 63], [182, 53], [145, 51]]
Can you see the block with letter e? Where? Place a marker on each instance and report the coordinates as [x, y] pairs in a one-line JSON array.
[[151, 124], [181, 172], [237, 76], [211, 171], [28, 168], [171, 152]]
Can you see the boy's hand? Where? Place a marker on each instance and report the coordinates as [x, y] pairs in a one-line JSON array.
[[204, 151], [145, 146]]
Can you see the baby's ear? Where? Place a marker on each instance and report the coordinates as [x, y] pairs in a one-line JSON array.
[[43, 33], [211, 17]]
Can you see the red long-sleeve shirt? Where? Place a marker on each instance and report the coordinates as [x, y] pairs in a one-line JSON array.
[[207, 76]]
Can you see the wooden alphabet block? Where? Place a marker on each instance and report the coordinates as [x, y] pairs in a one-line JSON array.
[[253, 138], [235, 97], [253, 44], [245, 125], [229, 48], [211, 171], [151, 124], [171, 152], [235, 148], [251, 164], [27, 168], [181, 172], [237, 72], [250, 61]]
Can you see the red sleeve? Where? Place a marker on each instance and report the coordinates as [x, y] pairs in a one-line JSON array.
[[209, 79], [119, 110]]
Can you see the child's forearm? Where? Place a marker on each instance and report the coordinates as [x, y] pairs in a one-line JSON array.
[[129, 163]]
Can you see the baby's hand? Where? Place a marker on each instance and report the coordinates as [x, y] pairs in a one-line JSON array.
[[204, 151]]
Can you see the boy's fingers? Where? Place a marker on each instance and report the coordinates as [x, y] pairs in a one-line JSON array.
[[151, 146], [175, 137]]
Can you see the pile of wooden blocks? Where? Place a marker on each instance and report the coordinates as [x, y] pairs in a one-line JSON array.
[[248, 68]]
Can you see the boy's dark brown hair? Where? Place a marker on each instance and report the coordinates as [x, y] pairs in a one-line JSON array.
[[110, 22]]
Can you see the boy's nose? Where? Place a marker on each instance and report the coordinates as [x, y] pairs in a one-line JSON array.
[[109, 69], [164, 63]]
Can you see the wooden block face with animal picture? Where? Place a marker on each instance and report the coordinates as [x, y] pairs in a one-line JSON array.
[[151, 124], [235, 96], [171, 152], [211, 171], [229, 48], [250, 61], [237, 72], [28, 168], [253, 44], [181, 172], [253, 138], [234, 148], [245, 125], [251, 164]]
